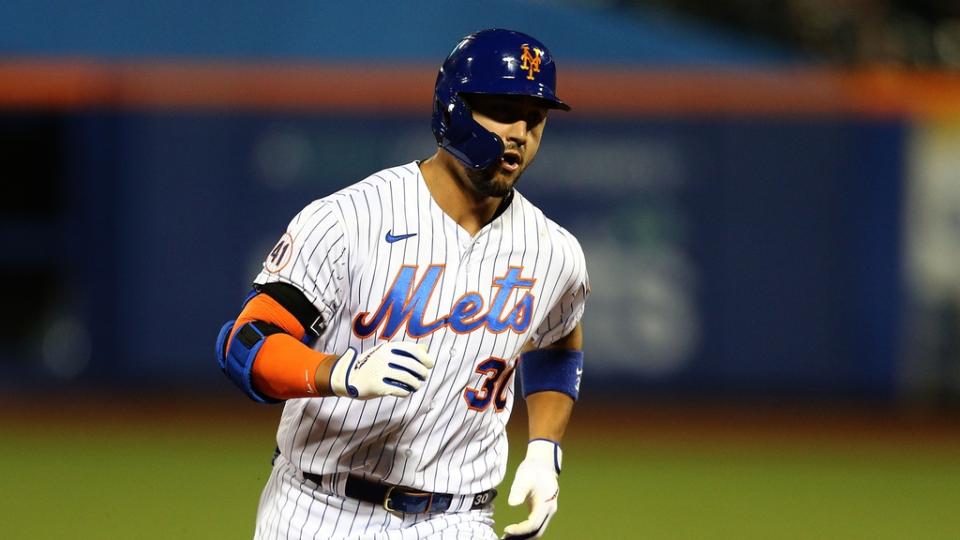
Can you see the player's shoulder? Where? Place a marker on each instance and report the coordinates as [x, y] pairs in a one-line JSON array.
[[341, 204], [378, 182], [549, 230]]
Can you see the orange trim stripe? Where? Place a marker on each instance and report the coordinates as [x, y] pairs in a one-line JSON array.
[[407, 89], [66, 84]]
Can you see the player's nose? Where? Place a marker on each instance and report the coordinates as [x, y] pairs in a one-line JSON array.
[[517, 132]]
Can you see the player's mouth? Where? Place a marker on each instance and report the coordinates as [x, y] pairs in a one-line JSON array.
[[511, 161]]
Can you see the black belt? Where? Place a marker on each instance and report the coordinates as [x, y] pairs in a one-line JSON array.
[[403, 499]]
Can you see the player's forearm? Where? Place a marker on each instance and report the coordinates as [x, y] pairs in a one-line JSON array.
[[548, 414], [263, 352], [286, 368], [549, 411]]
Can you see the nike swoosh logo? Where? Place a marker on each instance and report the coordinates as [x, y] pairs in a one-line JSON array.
[[391, 238]]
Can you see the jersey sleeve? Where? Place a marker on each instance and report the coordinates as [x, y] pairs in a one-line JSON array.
[[311, 255], [567, 311]]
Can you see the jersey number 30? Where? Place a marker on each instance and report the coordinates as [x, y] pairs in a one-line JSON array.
[[494, 387]]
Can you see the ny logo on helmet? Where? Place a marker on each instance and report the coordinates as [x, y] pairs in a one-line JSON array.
[[530, 62]]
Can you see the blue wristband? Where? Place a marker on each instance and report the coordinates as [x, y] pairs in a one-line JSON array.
[[558, 370]]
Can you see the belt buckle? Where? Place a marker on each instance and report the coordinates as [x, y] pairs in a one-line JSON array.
[[386, 501], [388, 508]]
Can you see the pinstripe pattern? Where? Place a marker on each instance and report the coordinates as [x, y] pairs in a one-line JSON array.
[[430, 440], [342, 518]]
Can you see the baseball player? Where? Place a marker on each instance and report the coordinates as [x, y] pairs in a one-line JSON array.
[[392, 315]]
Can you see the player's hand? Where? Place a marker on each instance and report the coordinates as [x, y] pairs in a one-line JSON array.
[[536, 483], [388, 369]]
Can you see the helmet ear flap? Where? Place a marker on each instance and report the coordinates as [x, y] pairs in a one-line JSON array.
[[463, 137]]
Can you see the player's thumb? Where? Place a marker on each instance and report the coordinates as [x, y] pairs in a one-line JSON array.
[[518, 492]]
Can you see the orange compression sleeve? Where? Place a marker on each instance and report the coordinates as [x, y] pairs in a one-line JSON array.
[[285, 368], [263, 308]]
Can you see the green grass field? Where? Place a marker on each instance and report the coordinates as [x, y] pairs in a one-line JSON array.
[[167, 482]]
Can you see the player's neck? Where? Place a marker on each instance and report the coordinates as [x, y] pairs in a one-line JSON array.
[[453, 194]]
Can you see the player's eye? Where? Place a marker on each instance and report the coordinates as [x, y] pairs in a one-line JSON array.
[[506, 113], [536, 118]]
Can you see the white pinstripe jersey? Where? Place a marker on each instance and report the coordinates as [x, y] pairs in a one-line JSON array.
[[381, 260]]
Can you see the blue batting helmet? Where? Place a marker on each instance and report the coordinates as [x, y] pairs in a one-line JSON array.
[[495, 61]]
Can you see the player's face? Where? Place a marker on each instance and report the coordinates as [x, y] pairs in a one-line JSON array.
[[519, 122]]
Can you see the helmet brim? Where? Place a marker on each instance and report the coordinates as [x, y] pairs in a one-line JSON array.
[[551, 102]]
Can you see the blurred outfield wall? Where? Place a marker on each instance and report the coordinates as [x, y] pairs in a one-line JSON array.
[[752, 246], [753, 227]]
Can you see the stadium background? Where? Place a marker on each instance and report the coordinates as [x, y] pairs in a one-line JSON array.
[[770, 215]]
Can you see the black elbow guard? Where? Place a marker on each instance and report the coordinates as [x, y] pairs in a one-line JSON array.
[[293, 300]]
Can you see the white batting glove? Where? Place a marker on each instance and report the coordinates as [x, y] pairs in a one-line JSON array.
[[388, 369], [536, 483]]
